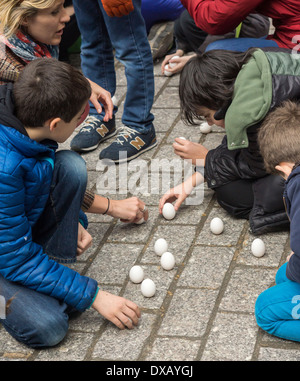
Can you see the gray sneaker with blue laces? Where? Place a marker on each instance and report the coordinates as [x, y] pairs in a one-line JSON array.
[[128, 145]]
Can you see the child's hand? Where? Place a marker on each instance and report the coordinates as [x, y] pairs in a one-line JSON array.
[[187, 150], [117, 8], [178, 194], [289, 256], [168, 58], [84, 240], [129, 210], [120, 311]]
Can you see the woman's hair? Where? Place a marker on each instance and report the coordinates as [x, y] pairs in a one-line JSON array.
[[207, 80], [48, 88], [279, 136], [14, 12]]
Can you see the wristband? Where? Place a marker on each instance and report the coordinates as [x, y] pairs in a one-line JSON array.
[[108, 203]]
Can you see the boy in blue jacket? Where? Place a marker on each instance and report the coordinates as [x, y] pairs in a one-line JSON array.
[[277, 309], [42, 224]]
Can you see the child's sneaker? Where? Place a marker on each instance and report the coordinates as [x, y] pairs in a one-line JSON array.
[[93, 131], [128, 145]]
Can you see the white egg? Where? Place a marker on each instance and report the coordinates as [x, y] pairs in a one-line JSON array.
[[173, 64], [258, 248], [216, 225], [168, 211], [167, 261], [136, 274], [148, 288], [160, 246], [205, 128], [182, 137], [166, 72], [141, 221]]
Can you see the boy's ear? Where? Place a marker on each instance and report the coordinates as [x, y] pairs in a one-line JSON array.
[[53, 123], [285, 168]]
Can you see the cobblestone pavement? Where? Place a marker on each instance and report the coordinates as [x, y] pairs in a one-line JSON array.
[[203, 309]]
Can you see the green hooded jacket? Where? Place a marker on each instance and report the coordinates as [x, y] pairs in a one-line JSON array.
[[256, 92]]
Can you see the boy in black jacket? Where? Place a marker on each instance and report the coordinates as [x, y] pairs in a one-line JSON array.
[[277, 308], [236, 91]]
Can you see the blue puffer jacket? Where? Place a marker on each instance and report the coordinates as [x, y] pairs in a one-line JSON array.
[[25, 177]]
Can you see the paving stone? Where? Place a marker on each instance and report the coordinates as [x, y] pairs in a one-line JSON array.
[[74, 347], [232, 338], [124, 345], [245, 285], [275, 245], [107, 266], [206, 267], [188, 313], [169, 98], [277, 354], [178, 242], [162, 280], [163, 349], [11, 348], [229, 236]]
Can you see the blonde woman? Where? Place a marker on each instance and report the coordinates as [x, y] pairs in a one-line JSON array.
[[32, 29]]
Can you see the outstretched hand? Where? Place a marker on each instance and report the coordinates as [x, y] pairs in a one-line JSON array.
[[129, 210], [194, 152], [120, 311]]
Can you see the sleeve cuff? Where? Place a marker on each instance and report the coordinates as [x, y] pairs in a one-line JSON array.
[[94, 297]]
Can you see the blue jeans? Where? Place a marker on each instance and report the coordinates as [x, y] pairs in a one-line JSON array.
[[241, 44], [277, 309], [127, 35], [35, 319]]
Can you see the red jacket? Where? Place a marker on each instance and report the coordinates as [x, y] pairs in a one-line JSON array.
[[222, 16]]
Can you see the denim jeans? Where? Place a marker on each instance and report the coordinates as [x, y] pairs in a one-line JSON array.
[[127, 35], [241, 44], [35, 319], [277, 309]]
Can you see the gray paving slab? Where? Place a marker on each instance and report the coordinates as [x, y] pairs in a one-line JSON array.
[[203, 309]]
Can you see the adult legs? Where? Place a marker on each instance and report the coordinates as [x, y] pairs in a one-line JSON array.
[[127, 34]]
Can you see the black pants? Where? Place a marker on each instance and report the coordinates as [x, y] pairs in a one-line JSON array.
[[260, 201], [236, 198], [190, 38]]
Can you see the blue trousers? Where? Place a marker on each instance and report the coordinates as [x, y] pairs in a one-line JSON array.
[[127, 35], [241, 44], [277, 309], [35, 319]]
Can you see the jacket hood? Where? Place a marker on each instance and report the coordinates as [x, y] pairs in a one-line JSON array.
[[265, 81], [7, 117], [251, 100]]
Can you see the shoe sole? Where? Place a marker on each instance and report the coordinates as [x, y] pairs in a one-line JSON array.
[[131, 157], [161, 39], [92, 148]]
